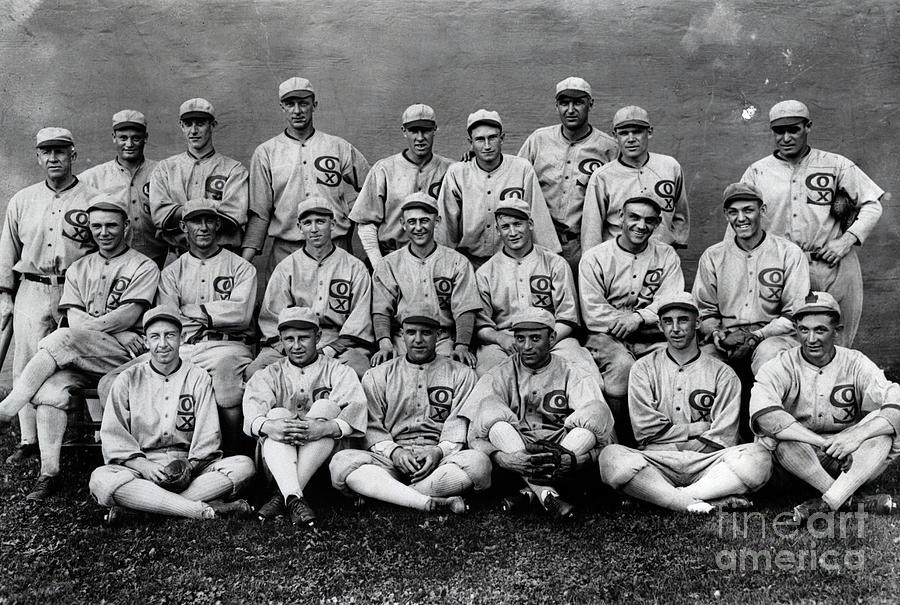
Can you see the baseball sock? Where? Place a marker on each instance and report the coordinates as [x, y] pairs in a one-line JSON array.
[[868, 459], [38, 369], [650, 485], [146, 496], [506, 438], [447, 480], [375, 482], [27, 425], [209, 486], [801, 461], [310, 456], [717, 482], [541, 491], [281, 459], [579, 440], [51, 427]]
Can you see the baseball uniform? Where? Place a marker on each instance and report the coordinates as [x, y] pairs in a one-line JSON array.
[[472, 231], [799, 200], [659, 178], [563, 168]]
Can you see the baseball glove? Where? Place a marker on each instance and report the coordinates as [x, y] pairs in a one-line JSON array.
[[844, 210], [564, 461], [178, 476], [739, 344]]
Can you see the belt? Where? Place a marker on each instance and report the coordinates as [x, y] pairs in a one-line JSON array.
[[566, 237], [219, 336], [50, 280]]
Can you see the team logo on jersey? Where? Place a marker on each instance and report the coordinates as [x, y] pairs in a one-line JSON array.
[[223, 285], [666, 192], [339, 294], [146, 189], [321, 393], [587, 167], [440, 399], [329, 166], [443, 287], [76, 228], [820, 186], [215, 186], [517, 192], [542, 292], [701, 403], [185, 419], [115, 293], [434, 189], [843, 397], [771, 283], [652, 282], [554, 408]]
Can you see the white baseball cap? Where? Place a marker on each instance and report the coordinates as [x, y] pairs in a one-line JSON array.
[[295, 87], [53, 136], [129, 118], [818, 302], [788, 112], [297, 317], [420, 199], [513, 206], [676, 300], [419, 114], [483, 116], [197, 108], [533, 318], [574, 87], [631, 115]]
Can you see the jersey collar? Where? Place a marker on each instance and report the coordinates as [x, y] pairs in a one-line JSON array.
[[562, 133], [619, 159], [175, 371], [333, 249], [71, 186], [293, 138], [211, 153], [686, 363], [800, 159]]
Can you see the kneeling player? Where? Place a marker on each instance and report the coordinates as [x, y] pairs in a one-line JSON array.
[[160, 414], [415, 435], [684, 407]]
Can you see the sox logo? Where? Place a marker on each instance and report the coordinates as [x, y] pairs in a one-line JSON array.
[[76, 228], [329, 166], [843, 397], [772, 284], [554, 408], [185, 419], [215, 185], [701, 402], [115, 292], [652, 282], [443, 287], [541, 292], [434, 190], [145, 203], [339, 293], [223, 285], [321, 393], [587, 167], [665, 189], [820, 186], [512, 192], [440, 398]]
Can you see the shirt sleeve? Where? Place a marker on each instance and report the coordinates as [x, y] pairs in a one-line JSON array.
[[671, 282], [566, 303], [72, 297], [448, 231], [772, 388], [650, 424], [796, 287], [277, 298], [599, 315], [237, 311], [142, 287], [369, 205], [465, 296], [163, 209], [358, 325], [348, 393], [10, 248], [262, 196], [236, 197], [456, 427], [865, 196], [544, 231], [705, 294], [376, 433], [681, 223], [117, 442], [355, 174], [259, 398], [593, 213], [385, 291]]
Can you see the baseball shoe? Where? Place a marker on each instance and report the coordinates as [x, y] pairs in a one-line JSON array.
[[700, 507], [454, 504], [557, 507], [44, 487], [732, 503], [236, 508], [113, 516], [802, 512], [300, 511], [273, 509], [878, 504], [518, 502], [23, 452]]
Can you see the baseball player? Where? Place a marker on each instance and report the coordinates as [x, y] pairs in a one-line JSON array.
[[747, 287], [822, 202], [330, 281], [128, 176], [200, 171], [415, 169], [424, 272], [521, 276], [564, 158], [537, 416], [300, 408], [620, 281], [300, 162], [416, 440], [636, 173], [160, 411], [45, 231], [480, 185], [828, 412], [684, 407]]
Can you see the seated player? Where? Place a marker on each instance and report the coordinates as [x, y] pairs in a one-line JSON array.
[[104, 296], [747, 285], [300, 408], [619, 282], [684, 407], [523, 275], [537, 416], [424, 271], [828, 412], [416, 440], [161, 411], [327, 279]]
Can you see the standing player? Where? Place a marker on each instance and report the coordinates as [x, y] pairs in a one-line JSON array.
[[330, 281], [199, 172], [416, 440], [828, 412], [636, 173], [822, 202], [471, 191], [684, 407], [416, 169], [161, 411], [564, 158], [45, 231], [103, 299], [300, 408], [128, 177], [424, 272], [299, 163]]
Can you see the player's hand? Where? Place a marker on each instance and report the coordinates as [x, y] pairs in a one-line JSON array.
[[623, 326], [507, 342], [842, 444], [404, 461], [428, 461], [461, 353], [525, 464], [313, 429], [6, 309], [718, 338], [385, 352], [329, 352], [467, 156], [132, 342], [285, 430], [149, 470], [695, 429], [836, 249], [596, 353]]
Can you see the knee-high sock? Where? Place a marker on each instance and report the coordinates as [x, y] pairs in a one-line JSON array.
[[718, 481], [579, 440], [868, 460], [800, 460], [51, 427], [650, 485], [310, 456], [208, 486], [281, 459], [375, 482], [446, 480], [28, 425], [38, 369], [506, 438], [146, 496]]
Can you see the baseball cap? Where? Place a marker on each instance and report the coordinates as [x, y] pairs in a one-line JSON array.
[[297, 317], [53, 136], [533, 318], [419, 313], [160, 313], [641, 199], [631, 115], [419, 114], [422, 200], [818, 302], [104, 201], [315, 205], [295, 87], [129, 118], [676, 300], [574, 87], [513, 206], [197, 108], [483, 116], [741, 192], [198, 207], [788, 112]]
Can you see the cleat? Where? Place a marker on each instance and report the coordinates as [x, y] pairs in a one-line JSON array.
[[453, 504], [557, 507], [878, 504], [44, 487], [237, 508], [518, 502], [300, 511], [114, 516], [23, 452], [272, 509], [802, 512], [732, 503]]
